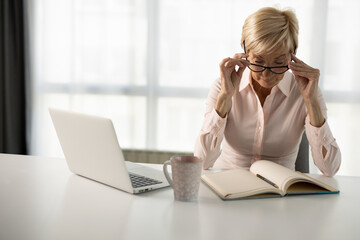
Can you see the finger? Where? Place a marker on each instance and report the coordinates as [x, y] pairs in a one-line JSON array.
[[234, 64], [231, 64], [300, 67], [295, 59], [240, 55], [308, 75], [301, 83], [234, 77], [239, 62], [303, 68], [224, 61]]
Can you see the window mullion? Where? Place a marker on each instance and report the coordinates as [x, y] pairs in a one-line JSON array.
[[318, 47], [152, 73]]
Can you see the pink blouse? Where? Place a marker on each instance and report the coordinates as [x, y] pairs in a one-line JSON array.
[[250, 132]]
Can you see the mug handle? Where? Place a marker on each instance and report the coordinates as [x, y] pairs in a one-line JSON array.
[[168, 162]]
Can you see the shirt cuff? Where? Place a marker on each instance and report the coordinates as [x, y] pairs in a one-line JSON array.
[[318, 136], [215, 124]]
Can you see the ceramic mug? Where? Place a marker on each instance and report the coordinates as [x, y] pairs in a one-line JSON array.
[[186, 173]]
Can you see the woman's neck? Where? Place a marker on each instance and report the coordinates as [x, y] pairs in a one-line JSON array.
[[260, 91]]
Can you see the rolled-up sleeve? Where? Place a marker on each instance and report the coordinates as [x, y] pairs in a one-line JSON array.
[[320, 137], [207, 146], [208, 142]]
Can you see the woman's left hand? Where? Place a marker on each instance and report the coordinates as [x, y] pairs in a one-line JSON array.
[[306, 77]]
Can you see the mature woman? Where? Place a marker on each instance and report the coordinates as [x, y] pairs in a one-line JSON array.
[[258, 109]]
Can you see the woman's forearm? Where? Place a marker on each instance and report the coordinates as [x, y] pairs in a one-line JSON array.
[[316, 116], [223, 104]]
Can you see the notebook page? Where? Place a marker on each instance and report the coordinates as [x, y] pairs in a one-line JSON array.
[[239, 182], [274, 172]]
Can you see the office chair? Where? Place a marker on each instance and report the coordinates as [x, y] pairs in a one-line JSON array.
[[302, 159]]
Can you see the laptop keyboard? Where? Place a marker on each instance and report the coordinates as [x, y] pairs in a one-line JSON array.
[[141, 181]]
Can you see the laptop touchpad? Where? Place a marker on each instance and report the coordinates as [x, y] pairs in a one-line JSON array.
[[132, 166]]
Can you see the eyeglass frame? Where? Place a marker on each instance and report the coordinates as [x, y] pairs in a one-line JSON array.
[[264, 68]]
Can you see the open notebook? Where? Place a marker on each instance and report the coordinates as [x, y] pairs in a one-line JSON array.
[[265, 179]]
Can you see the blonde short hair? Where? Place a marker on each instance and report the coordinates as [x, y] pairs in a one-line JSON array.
[[269, 29]]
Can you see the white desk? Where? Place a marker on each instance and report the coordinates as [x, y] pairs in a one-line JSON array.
[[41, 199]]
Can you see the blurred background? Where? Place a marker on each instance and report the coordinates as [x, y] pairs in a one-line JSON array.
[[148, 65]]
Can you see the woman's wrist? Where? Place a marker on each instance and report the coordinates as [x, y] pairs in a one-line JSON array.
[[316, 116], [222, 105]]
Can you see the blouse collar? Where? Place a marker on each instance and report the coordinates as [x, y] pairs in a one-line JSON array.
[[284, 85]]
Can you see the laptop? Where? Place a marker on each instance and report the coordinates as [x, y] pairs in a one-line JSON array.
[[92, 150]]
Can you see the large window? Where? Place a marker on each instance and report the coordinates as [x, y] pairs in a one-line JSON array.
[[148, 64]]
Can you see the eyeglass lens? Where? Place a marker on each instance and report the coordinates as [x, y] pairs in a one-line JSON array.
[[278, 70]]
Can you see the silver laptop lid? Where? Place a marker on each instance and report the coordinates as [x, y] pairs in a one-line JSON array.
[[91, 148]]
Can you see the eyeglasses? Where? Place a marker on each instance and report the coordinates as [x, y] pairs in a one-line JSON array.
[[259, 68], [277, 70]]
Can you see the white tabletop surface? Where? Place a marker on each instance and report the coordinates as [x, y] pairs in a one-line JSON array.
[[41, 199]]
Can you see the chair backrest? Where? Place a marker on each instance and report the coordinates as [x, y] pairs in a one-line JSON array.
[[302, 160]]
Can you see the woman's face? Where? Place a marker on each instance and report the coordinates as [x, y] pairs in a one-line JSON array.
[[268, 79]]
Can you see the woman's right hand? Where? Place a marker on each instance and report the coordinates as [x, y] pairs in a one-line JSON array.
[[230, 77], [230, 81]]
